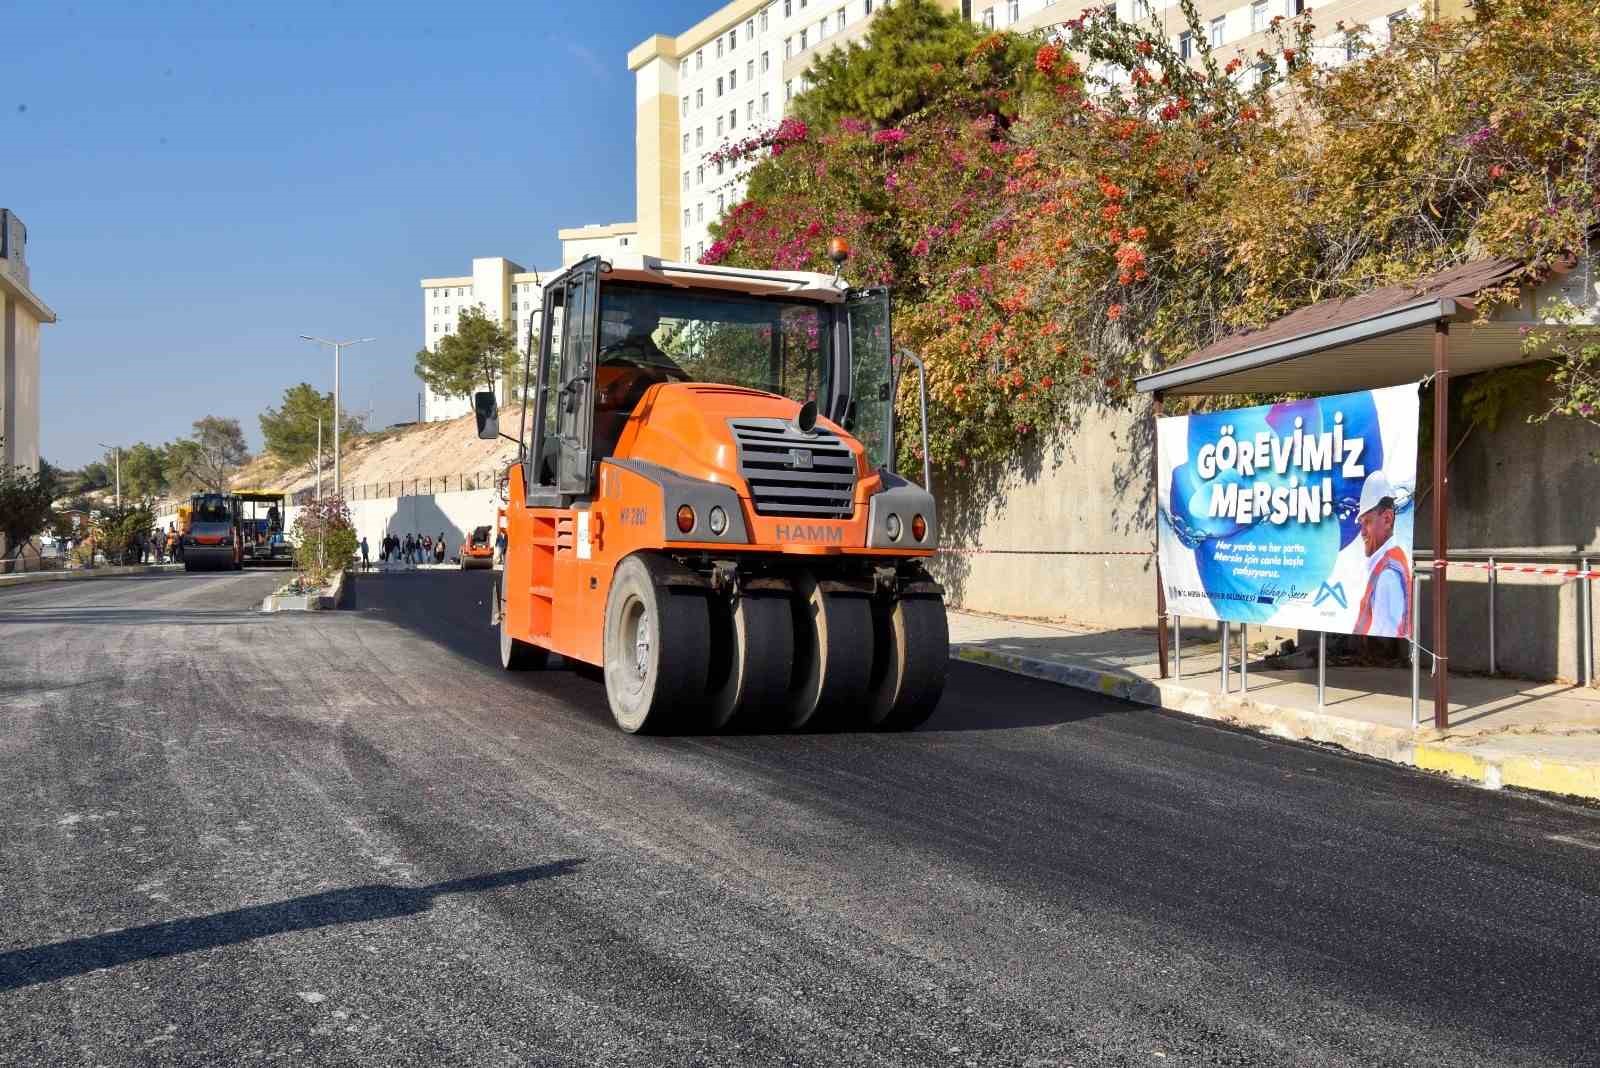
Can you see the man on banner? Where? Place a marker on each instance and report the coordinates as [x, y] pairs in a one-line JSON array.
[[1386, 602]]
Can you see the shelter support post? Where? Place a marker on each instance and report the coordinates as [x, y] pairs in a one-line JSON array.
[[1491, 614], [1227, 629], [1155, 508], [1244, 658], [1416, 651], [1177, 646], [1588, 624], [1322, 669], [1441, 523]]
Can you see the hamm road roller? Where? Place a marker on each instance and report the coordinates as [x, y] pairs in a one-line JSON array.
[[705, 504]]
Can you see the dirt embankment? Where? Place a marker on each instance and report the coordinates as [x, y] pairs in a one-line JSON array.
[[423, 450]]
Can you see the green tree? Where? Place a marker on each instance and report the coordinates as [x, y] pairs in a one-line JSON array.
[[290, 430], [218, 450], [178, 461], [25, 497], [914, 53], [119, 530], [91, 476], [478, 355], [144, 471]]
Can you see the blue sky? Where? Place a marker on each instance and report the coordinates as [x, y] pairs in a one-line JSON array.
[[204, 182]]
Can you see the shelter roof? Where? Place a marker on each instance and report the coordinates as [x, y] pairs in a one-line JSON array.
[[1382, 337]]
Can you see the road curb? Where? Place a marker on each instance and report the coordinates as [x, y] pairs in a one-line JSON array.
[[32, 577], [1484, 764]]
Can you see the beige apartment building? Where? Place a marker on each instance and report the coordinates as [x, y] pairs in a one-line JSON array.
[[731, 75], [21, 315]]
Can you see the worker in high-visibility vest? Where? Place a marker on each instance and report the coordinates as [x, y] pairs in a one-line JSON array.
[[1386, 602]]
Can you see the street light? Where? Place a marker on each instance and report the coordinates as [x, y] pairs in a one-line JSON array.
[[336, 346], [117, 449]]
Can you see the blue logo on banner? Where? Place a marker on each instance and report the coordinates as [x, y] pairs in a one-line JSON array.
[[1336, 591]]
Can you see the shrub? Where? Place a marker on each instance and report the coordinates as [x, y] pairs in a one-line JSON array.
[[324, 540]]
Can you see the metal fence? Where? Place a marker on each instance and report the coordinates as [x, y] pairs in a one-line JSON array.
[[409, 487]]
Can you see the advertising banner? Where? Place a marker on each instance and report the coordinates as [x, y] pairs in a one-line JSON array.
[[1295, 515]]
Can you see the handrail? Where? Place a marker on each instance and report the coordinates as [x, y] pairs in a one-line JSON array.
[[922, 397]]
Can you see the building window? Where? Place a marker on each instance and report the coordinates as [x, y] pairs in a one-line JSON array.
[[1185, 45], [749, 70], [1294, 7], [733, 79], [733, 117], [686, 216], [719, 125], [699, 249], [699, 136], [721, 203], [788, 8], [1014, 12], [1396, 19], [699, 98], [788, 47], [699, 58], [802, 40], [764, 101], [435, 328], [966, 10], [988, 18], [719, 86], [822, 28], [866, 8], [766, 62], [749, 29], [685, 181], [764, 22], [686, 252], [749, 111], [719, 47], [840, 19], [1258, 16], [700, 212], [719, 166], [686, 142], [700, 175], [1216, 31], [1351, 47], [788, 90], [686, 107], [733, 40]]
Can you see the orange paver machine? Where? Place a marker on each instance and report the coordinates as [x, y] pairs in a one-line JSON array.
[[705, 505]]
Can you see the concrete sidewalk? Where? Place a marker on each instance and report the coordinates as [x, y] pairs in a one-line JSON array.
[[1504, 732], [28, 578]]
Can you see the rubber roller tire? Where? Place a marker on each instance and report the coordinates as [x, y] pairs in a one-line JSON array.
[[515, 654], [913, 642], [832, 657], [752, 658], [657, 648]]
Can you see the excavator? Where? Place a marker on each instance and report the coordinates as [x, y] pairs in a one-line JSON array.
[[704, 502]]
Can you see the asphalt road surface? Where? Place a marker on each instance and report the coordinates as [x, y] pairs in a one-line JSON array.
[[349, 838]]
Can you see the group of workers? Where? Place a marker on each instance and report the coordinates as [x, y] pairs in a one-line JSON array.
[[413, 549]]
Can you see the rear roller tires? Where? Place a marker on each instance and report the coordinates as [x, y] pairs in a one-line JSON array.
[[832, 657], [515, 654], [657, 648], [913, 654], [752, 659]]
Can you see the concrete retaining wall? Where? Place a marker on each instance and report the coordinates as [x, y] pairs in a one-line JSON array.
[[453, 514]]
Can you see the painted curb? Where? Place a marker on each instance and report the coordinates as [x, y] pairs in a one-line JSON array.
[[29, 578], [1396, 745], [306, 602]]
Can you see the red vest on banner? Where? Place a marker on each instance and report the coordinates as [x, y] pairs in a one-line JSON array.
[[1393, 560]]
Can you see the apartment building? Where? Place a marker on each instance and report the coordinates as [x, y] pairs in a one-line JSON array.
[[732, 74], [505, 291], [21, 315], [579, 242]]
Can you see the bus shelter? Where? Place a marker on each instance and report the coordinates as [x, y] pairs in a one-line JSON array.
[[1436, 327]]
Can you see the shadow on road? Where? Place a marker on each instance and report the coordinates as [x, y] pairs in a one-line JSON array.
[[123, 616], [78, 956]]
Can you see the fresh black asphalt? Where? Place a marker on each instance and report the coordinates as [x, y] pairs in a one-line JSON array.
[[349, 838]]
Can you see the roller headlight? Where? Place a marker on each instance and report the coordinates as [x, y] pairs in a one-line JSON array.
[[685, 518], [718, 520], [892, 527], [919, 528]]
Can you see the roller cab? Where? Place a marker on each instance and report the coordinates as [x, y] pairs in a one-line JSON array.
[[705, 505]]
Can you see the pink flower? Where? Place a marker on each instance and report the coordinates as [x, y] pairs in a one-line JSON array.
[[967, 300], [853, 126], [889, 137], [920, 248]]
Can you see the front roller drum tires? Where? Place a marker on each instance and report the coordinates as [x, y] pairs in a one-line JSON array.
[[752, 658], [657, 647], [517, 655], [913, 654], [832, 656]]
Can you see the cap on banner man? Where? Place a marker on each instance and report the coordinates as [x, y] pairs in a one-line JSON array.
[[1386, 602]]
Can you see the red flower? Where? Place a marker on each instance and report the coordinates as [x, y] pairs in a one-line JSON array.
[[1114, 312], [1144, 48]]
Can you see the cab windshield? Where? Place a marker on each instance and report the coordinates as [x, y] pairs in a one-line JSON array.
[[213, 510], [662, 335]]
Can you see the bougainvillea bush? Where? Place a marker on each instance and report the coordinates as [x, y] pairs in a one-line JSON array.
[[1063, 214]]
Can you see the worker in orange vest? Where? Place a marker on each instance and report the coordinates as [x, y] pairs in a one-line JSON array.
[[1386, 602]]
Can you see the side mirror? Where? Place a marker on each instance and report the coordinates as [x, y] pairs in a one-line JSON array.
[[487, 412]]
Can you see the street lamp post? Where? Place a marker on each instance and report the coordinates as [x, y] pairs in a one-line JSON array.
[[319, 459], [336, 346], [117, 450]]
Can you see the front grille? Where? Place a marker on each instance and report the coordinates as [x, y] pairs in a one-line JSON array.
[[772, 456]]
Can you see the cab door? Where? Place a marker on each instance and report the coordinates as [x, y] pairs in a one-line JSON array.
[[575, 407], [869, 414]]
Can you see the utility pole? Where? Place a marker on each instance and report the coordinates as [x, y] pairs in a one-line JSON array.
[[319, 459], [117, 450], [337, 346]]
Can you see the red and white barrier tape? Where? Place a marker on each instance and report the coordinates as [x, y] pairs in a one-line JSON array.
[[1524, 569]]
